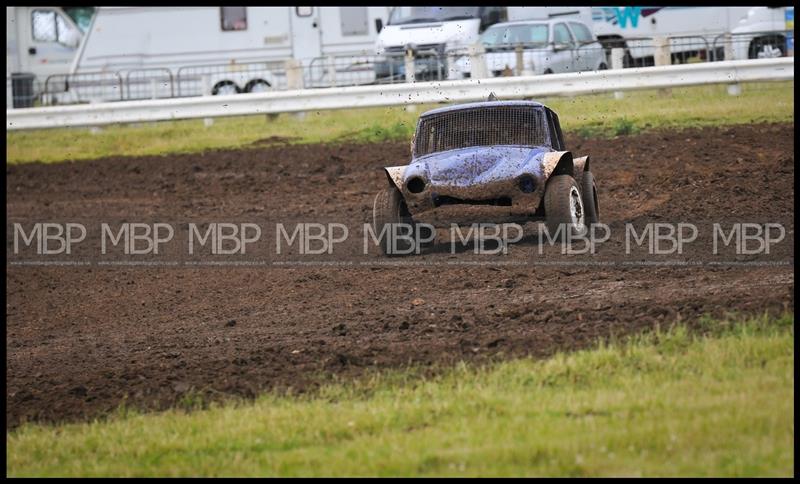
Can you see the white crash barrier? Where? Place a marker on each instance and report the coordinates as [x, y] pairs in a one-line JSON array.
[[594, 82]]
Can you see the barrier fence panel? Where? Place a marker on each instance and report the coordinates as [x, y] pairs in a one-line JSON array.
[[224, 79], [340, 70], [753, 45], [154, 83], [686, 49], [80, 88]]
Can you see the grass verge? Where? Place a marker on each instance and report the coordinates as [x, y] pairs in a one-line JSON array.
[[672, 402], [596, 115]]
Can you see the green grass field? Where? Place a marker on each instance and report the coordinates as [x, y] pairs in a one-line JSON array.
[[597, 115], [714, 403]]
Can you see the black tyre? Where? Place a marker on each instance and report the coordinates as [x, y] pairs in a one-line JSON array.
[[771, 46], [390, 208], [591, 208], [257, 85], [563, 206], [224, 88]]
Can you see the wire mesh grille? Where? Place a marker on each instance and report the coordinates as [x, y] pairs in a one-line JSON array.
[[482, 126]]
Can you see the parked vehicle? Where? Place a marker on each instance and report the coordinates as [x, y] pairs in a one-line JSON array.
[[557, 45], [505, 158], [695, 31], [40, 41], [222, 50], [765, 32], [432, 32]]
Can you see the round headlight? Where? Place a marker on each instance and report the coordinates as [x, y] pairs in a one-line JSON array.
[[527, 184], [415, 185]]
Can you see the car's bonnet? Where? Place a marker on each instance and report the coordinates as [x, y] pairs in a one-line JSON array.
[[479, 164]]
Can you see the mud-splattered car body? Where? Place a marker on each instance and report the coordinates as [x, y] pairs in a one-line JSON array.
[[495, 156]]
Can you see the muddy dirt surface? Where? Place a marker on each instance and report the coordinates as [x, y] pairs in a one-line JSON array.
[[81, 340]]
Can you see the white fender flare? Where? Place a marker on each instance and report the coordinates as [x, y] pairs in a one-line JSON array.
[[395, 175], [581, 164], [554, 160]]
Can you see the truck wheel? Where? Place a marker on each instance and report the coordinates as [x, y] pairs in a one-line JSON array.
[[257, 85], [223, 88], [591, 207], [767, 47], [563, 206], [390, 208]]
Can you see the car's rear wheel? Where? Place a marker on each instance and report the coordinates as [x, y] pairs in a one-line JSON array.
[[563, 207], [591, 207], [388, 209]]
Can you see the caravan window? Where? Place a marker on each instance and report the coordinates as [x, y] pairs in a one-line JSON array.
[[49, 26], [44, 25], [354, 20], [233, 18]]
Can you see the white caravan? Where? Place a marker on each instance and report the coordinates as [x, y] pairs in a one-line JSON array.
[[222, 50], [40, 41], [699, 29]]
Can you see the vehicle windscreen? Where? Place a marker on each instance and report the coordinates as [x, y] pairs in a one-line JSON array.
[[483, 126], [410, 15], [506, 37]]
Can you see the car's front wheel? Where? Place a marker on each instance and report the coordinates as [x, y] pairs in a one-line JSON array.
[[591, 208], [388, 211], [563, 207]]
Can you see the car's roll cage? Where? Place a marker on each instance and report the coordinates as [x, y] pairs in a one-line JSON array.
[[553, 125]]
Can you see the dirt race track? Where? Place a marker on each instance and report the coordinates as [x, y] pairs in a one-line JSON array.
[[80, 340]]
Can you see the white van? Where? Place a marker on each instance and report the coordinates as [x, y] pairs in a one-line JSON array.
[[435, 31]]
